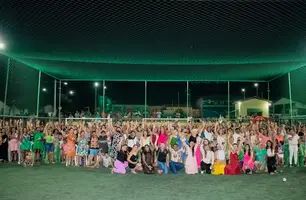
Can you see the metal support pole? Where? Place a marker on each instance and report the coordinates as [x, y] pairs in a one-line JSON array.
[[103, 97], [290, 97], [187, 85], [228, 100], [59, 100], [145, 108], [95, 101], [54, 98], [6, 83], [268, 91], [38, 94]]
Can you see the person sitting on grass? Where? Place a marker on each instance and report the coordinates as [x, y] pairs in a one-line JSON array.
[[176, 159]]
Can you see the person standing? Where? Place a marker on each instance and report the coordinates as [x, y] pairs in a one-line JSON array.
[[293, 147]]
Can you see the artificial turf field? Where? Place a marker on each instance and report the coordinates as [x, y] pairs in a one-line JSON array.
[[58, 182]]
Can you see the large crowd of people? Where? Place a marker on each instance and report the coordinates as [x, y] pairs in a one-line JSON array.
[[207, 147]]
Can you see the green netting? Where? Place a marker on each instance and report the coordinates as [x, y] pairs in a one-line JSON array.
[[46, 97], [3, 71], [22, 89], [148, 40], [298, 85]]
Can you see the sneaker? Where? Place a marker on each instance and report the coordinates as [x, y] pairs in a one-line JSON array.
[[202, 172]]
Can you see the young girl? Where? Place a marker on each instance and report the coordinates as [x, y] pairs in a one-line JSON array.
[[38, 144], [25, 146], [14, 146], [70, 148], [82, 149], [94, 148], [49, 147]]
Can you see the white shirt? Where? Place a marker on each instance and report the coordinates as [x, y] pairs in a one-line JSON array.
[[220, 155], [106, 161], [175, 155], [209, 158], [236, 136], [294, 140], [208, 135], [132, 142]]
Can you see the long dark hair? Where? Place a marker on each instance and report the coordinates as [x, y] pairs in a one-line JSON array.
[[267, 147], [249, 151]]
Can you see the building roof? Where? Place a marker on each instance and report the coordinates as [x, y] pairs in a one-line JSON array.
[[252, 98], [165, 40]]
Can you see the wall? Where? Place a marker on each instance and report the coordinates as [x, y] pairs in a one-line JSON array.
[[255, 104]]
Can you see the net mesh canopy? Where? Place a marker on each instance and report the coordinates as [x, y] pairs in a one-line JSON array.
[[156, 40]]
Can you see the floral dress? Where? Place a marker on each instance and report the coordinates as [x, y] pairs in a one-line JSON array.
[[82, 148], [115, 143]]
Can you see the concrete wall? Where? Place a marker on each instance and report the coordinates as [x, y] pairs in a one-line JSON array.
[[243, 107]]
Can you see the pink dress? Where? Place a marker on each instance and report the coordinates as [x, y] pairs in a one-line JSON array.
[[191, 166], [162, 139], [13, 144], [198, 156], [247, 162]]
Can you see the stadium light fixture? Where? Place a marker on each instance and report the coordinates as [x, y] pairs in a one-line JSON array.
[[2, 46], [96, 84], [44, 89], [71, 92], [65, 83]]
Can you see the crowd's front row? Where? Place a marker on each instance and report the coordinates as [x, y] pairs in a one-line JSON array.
[[210, 148]]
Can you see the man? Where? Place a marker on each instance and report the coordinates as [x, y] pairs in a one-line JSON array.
[[176, 159]]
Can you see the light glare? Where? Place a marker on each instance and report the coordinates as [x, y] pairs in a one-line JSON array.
[[2, 45]]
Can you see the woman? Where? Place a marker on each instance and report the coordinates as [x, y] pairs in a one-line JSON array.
[[271, 160], [145, 139], [233, 167], [191, 166], [3, 147], [147, 159], [121, 163], [162, 159], [207, 160], [133, 158], [163, 136], [248, 164], [220, 161]]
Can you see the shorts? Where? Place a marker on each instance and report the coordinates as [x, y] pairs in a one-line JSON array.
[[93, 152], [49, 147]]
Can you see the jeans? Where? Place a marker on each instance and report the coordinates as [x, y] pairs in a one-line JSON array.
[[175, 166], [162, 166]]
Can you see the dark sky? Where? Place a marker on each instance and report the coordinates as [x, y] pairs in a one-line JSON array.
[[163, 93]]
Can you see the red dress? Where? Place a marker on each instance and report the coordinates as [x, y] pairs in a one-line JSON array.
[[233, 167]]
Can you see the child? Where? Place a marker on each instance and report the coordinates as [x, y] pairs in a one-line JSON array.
[[14, 146], [301, 153], [280, 154]]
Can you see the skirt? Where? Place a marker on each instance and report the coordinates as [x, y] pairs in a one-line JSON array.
[[218, 168]]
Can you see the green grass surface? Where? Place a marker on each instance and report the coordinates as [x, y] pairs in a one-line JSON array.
[[58, 182]]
